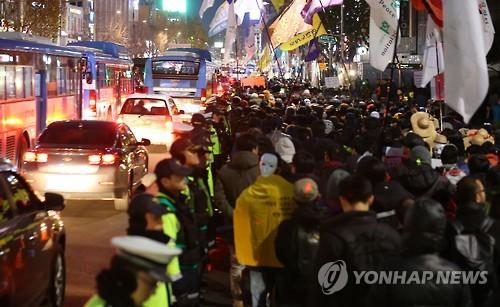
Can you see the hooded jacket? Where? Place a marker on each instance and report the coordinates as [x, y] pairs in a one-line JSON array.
[[422, 240], [259, 211], [233, 178]]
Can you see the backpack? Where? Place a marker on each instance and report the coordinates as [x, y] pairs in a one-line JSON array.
[[474, 251], [307, 245]]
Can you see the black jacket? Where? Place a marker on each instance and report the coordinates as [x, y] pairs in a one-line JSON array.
[[363, 243], [420, 254], [296, 245], [472, 217]]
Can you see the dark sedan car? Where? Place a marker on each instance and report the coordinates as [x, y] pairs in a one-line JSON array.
[[87, 160], [32, 241]]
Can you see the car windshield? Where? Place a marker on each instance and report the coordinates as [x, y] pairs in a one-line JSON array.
[[76, 135], [145, 106]]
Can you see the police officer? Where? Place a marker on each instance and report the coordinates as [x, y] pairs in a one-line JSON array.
[[134, 272], [180, 226]]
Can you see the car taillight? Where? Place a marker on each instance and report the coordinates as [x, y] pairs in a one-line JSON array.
[[31, 156], [105, 159], [203, 94], [169, 125], [92, 100], [95, 159], [108, 159]]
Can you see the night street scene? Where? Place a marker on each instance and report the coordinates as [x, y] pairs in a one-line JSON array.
[[249, 153]]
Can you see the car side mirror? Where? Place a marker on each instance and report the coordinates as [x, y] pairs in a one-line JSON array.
[[53, 201], [144, 142]]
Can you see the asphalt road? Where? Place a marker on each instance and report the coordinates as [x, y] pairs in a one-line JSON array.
[[90, 225]]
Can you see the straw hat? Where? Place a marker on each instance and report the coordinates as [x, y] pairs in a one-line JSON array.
[[441, 139], [423, 124]]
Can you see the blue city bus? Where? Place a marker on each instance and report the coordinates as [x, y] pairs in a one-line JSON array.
[[186, 74], [108, 80]]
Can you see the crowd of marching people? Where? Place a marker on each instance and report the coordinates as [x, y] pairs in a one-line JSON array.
[[293, 180]]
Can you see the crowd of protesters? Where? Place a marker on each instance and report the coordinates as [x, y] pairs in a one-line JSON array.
[[292, 179]]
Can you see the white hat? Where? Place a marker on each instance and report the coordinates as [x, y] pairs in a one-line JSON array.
[[375, 114], [145, 248], [285, 148]]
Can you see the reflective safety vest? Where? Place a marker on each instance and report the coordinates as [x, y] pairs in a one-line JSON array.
[[171, 227], [214, 138], [95, 301], [160, 297]]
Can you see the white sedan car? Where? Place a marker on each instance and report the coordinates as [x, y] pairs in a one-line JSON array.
[[152, 115]]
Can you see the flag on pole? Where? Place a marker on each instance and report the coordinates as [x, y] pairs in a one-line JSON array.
[[466, 76], [265, 59], [278, 4], [314, 51], [289, 23], [314, 6], [306, 36], [219, 22], [489, 30], [230, 34], [384, 15], [250, 46], [433, 61], [205, 5]]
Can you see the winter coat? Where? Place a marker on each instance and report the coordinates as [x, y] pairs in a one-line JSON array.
[[296, 245], [363, 243], [259, 211], [472, 217], [429, 294], [233, 178]]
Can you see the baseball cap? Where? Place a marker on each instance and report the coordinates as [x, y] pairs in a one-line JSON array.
[[305, 190], [169, 167], [149, 255], [144, 203], [198, 119], [182, 144]]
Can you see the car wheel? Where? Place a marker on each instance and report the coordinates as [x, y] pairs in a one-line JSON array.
[[121, 204], [57, 285]]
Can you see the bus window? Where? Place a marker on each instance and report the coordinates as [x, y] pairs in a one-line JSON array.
[[61, 80], [19, 82], [2, 82], [10, 81], [176, 68], [28, 75]]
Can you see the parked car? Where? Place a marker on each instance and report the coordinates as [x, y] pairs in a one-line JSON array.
[[87, 160], [152, 116], [32, 242]]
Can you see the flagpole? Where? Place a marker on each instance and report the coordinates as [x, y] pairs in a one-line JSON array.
[[394, 58], [270, 40]]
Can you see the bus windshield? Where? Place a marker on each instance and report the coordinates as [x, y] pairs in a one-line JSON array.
[[176, 68]]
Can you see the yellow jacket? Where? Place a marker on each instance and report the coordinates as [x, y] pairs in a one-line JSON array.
[[259, 211]]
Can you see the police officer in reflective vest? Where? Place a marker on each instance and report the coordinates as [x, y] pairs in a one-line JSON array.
[[180, 225]]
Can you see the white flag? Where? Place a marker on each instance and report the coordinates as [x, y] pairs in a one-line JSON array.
[[466, 77], [205, 5], [384, 15], [219, 22], [230, 34], [489, 30], [433, 53], [250, 46]]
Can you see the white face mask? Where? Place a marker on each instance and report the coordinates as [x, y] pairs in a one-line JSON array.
[[268, 164]]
